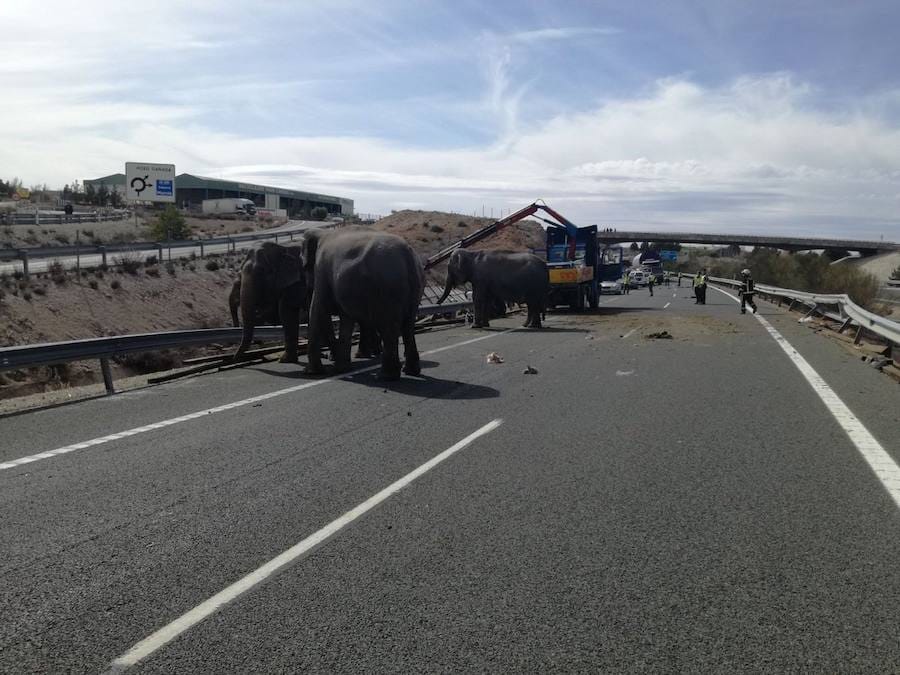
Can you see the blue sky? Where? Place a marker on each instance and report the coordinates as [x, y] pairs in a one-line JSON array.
[[735, 116]]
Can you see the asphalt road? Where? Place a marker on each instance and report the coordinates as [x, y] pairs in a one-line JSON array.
[[42, 264], [685, 504]]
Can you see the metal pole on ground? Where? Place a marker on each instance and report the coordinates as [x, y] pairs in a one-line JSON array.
[[23, 254]]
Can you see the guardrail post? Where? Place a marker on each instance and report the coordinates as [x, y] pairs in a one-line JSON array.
[[23, 254], [159, 253], [201, 248], [858, 335], [276, 237], [811, 312], [107, 376], [103, 255]]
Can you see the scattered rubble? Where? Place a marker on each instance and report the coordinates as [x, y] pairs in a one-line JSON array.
[[529, 371], [494, 357], [661, 335]]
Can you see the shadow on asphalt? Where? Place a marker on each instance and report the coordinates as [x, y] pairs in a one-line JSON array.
[[423, 386], [428, 387]]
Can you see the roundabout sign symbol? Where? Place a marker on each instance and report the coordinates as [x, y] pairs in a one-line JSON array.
[[139, 181]]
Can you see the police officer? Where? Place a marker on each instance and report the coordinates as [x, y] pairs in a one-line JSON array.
[[651, 279], [700, 282], [626, 282], [747, 292]]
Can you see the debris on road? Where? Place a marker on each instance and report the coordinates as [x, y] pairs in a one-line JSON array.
[[589, 336], [662, 335], [494, 357], [529, 371], [622, 373]]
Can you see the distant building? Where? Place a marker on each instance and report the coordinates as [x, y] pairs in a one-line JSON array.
[[191, 190]]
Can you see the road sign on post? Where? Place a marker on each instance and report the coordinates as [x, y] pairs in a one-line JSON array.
[[669, 255], [150, 182]]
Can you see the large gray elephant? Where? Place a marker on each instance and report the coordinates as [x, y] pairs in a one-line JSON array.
[[266, 308], [505, 276], [368, 277], [272, 276]]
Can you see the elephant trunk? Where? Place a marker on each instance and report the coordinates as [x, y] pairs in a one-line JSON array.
[[248, 315], [447, 288], [234, 301]]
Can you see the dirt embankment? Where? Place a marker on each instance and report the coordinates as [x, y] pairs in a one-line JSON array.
[[60, 305], [430, 231]]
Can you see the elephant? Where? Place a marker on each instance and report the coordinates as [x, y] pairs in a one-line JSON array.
[[500, 277], [366, 277], [266, 312], [272, 278]]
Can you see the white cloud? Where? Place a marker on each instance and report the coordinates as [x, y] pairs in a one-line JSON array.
[[565, 33]]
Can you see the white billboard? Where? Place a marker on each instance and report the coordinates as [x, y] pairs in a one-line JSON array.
[[147, 182]]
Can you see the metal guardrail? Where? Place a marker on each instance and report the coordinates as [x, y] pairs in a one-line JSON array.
[[52, 353], [848, 311], [68, 251], [54, 218]]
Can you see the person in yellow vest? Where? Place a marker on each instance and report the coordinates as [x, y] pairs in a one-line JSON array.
[[626, 282], [651, 279], [700, 282], [747, 292]]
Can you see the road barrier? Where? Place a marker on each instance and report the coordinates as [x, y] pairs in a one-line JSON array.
[[848, 313], [52, 353], [143, 247], [60, 218]]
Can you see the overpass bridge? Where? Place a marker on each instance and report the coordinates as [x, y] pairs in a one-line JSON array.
[[865, 248]]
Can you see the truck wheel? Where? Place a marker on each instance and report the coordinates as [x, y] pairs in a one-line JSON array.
[[593, 298]]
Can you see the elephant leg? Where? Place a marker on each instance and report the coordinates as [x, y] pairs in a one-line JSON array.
[[390, 357], [410, 352], [290, 320], [367, 342], [534, 311], [481, 301], [319, 321], [341, 351]]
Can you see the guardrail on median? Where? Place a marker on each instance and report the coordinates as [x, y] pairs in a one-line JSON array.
[[231, 241], [849, 313], [52, 353]]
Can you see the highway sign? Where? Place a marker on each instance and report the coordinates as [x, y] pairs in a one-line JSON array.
[[149, 182], [669, 255]]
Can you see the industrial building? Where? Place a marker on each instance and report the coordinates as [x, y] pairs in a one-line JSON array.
[[191, 190]]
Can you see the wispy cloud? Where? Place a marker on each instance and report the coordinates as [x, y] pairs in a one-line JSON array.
[[566, 33]]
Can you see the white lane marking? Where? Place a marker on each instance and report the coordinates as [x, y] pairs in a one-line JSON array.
[[629, 334], [222, 408], [674, 294], [666, 305], [881, 463], [186, 621]]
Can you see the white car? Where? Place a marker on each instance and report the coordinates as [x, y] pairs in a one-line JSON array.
[[614, 286], [638, 278]]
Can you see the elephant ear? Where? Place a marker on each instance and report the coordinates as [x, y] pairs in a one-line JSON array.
[[308, 250]]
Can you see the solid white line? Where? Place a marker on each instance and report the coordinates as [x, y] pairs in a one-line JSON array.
[[666, 305], [222, 408], [876, 456], [191, 618], [629, 334]]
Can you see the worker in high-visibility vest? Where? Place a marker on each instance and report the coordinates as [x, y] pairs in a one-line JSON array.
[[700, 282], [651, 279], [747, 291], [626, 282]]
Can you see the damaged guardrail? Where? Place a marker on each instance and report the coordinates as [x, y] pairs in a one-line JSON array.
[[849, 313], [52, 353]]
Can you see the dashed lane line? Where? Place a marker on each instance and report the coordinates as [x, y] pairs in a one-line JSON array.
[[666, 305], [221, 408], [881, 463], [188, 620]]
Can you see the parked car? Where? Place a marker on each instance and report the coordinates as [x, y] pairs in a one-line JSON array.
[[638, 278]]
